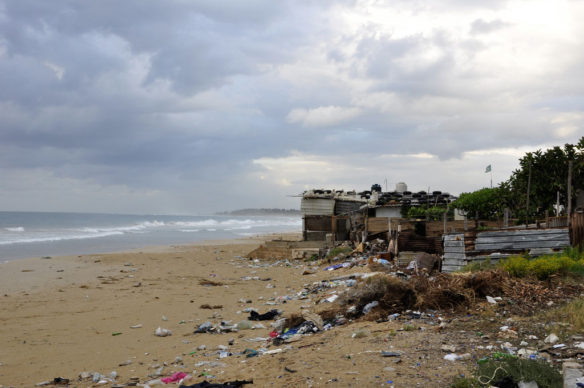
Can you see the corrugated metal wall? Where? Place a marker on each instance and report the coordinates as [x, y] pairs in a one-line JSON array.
[[317, 206], [522, 239], [499, 244], [454, 256], [345, 207]]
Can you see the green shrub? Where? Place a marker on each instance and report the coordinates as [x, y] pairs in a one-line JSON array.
[[543, 267], [516, 266], [519, 370], [479, 265], [338, 250], [573, 253], [464, 382]]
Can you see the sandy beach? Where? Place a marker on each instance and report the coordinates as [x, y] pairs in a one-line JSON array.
[[63, 316]]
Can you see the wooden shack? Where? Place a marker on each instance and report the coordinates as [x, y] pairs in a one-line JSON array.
[[461, 249]]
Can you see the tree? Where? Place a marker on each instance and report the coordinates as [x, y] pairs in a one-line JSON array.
[[486, 204], [549, 175]]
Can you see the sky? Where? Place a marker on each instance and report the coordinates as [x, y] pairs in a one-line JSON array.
[[191, 107]]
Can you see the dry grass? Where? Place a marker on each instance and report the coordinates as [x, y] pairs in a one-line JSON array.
[[207, 282], [393, 295], [209, 307], [571, 315]]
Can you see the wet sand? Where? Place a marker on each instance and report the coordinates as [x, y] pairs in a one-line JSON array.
[[66, 315]]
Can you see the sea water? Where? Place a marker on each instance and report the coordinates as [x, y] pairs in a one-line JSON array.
[[36, 234]]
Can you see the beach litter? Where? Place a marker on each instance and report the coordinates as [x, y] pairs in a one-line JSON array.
[[270, 315], [175, 377], [228, 384], [160, 332]]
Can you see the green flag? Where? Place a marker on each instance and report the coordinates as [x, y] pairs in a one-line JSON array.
[[488, 168]]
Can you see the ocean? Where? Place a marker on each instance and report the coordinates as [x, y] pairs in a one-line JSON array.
[[37, 234]]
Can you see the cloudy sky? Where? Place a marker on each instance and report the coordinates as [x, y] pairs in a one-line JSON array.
[[185, 107]]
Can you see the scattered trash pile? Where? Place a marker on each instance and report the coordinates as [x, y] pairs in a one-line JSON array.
[[376, 257], [411, 295], [384, 294]]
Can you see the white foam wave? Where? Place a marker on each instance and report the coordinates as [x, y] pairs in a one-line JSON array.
[[58, 238], [234, 224], [130, 228], [15, 229], [189, 230]]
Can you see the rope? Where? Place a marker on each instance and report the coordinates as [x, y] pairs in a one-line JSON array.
[[493, 377]]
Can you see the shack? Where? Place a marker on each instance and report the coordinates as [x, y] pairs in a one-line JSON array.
[[461, 249], [329, 213], [338, 215]]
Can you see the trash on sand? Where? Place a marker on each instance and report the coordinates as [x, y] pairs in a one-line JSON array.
[[250, 353], [369, 306], [116, 333], [491, 300], [457, 357], [204, 328], [551, 339], [228, 384], [178, 376], [160, 332], [360, 334], [390, 354], [244, 325], [254, 316], [139, 325]]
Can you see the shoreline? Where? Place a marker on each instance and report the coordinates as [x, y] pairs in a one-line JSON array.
[[80, 315], [33, 273]]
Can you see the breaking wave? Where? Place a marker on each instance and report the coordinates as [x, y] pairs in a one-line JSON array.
[[15, 229]]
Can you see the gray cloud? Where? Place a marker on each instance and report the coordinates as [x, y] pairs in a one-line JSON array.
[[168, 105], [481, 26]]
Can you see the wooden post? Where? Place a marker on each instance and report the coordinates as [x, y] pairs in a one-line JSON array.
[[334, 229], [444, 220], [569, 192], [366, 225], [506, 217], [527, 205], [547, 219]]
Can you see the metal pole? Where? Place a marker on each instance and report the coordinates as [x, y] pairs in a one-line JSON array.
[[569, 191], [527, 205]]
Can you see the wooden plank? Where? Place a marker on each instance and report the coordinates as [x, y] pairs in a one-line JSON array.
[[522, 238], [453, 243], [378, 224], [452, 255], [522, 245], [449, 269], [454, 237], [521, 232], [459, 263]]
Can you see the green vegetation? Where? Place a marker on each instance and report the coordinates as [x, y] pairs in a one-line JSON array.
[[434, 213], [544, 267], [520, 370], [571, 314], [337, 251], [497, 368], [478, 266], [549, 173], [484, 204], [314, 257], [465, 382]]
